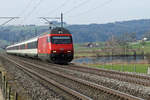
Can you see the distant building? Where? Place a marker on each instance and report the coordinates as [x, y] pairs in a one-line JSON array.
[[145, 39], [91, 45]]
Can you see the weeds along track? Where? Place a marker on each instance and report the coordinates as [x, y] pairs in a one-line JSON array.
[[77, 88]]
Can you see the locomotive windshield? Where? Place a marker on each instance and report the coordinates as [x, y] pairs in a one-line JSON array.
[[61, 39]]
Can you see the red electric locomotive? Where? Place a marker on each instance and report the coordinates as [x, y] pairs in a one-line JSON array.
[[56, 46]]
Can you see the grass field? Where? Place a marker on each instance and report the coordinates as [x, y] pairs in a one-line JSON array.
[[139, 68], [138, 47], [145, 47], [133, 47]]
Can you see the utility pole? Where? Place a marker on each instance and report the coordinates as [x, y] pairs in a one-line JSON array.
[[62, 20], [9, 19]]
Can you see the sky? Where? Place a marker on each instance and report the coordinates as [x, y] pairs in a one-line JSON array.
[[75, 11]]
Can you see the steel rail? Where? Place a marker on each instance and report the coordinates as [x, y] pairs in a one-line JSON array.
[[140, 80], [97, 71], [112, 74], [90, 84], [115, 72], [75, 94]]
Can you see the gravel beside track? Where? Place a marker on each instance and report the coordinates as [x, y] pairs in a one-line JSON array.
[[140, 79], [95, 93], [28, 86], [130, 88]]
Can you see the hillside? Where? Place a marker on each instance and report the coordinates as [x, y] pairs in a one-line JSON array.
[[81, 33], [102, 32]]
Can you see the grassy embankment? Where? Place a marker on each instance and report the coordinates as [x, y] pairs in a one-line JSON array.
[[139, 68], [134, 48]]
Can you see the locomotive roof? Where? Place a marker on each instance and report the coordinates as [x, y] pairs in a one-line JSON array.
[[60, 30]]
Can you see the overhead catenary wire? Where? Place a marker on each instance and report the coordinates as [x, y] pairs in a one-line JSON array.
[[32, 10], [26, 8], [93, 9], [28, 15], [9, 19], [77, 6], [59, 7], [99, 6]]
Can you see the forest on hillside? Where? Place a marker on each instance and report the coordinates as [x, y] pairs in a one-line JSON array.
[[81, 33]]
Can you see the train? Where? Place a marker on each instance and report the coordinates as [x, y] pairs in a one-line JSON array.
[[55, 46]]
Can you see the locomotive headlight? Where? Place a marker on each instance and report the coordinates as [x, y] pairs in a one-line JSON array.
[[54, 51], [69, 51]]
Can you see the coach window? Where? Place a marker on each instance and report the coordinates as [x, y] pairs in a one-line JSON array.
[[29, 45], [22, 46], [35, 44], [32, 45]]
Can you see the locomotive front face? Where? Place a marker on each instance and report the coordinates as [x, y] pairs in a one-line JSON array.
[[61, 46]]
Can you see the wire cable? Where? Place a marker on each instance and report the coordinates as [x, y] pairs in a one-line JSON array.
[[34, 8], [26, 7], [92, 9], [77, 6], [59, 7], [24, 10], [32, 11]]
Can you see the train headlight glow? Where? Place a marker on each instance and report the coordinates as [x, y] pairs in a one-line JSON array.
[[54, 51], [69, 51]]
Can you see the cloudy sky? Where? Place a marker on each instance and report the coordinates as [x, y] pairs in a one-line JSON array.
[[75, 11]]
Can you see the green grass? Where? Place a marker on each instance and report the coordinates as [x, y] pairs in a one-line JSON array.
[[82, 47], [138, 47], [139, 68], [145, 48]]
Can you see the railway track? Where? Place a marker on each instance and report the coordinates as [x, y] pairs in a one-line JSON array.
[[121, 76], [83, 85], [74, 94], [139, 79]]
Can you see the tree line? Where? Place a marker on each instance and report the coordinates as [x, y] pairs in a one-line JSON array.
[[122, 31]]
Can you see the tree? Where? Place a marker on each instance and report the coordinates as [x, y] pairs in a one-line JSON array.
[[132, 37]]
